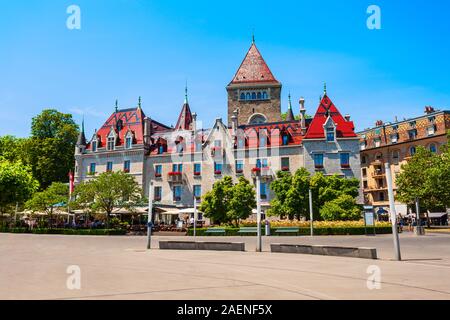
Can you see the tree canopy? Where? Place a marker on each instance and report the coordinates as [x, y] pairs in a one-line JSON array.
[[426, 176], [17, 184], [292, 196], [108, 191], [228, 202]]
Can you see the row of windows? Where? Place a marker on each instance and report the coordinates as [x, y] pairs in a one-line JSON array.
[[111, 144], [344, 160], [254, 95], [177, 192], [394, 137], [396, 153], [109, 167], [218, 166]]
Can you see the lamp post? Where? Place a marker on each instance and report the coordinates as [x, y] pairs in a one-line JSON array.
[[311, 216], [258, 211], [195, 216], [150, 215], [387, 169]]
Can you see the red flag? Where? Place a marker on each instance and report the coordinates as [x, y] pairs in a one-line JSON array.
[[71, 182]]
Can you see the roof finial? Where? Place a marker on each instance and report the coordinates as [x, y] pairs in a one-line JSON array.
[[186, 93], [253, 36], [117, 105], [140, 102], [82, 125], [290, 103], [325, 88]]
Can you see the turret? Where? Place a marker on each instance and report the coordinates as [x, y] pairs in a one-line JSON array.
[[302, 115], [80, 146]]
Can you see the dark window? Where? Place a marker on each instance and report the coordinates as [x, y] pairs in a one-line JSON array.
[[345, 160], [330, 134], [242, 96], [158, 193], [109, 166], [318, 160], [127, 166]]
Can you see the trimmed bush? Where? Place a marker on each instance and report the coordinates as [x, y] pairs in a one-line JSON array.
[[302, 231], [82, 232]]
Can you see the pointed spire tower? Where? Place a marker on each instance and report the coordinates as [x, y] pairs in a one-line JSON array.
[[290, 113], [185, 119], [81, 141], [254, 91]]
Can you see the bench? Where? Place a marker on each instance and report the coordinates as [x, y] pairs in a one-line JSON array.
[[287, 230], [243, 230], [220, 231]]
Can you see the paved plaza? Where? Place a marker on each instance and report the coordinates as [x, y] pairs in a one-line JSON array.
[[35, 267]]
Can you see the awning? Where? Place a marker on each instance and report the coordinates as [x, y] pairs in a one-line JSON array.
[[436, 215]]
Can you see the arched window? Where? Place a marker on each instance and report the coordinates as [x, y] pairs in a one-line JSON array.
[[363, 159], [379, 156], [433, 148], [259, 95], [258, 119], [248, 96], [242, 96], [253, 95], [264, 95], [412, 150]]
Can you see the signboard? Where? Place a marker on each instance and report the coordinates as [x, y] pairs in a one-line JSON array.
[[369, 219]]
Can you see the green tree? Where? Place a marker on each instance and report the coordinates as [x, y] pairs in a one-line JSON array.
[[242, 202], [55, 196], [12, 148], [215, 204], [342, 208], [108, 191], [50, 149], [17, 184], [426, 176], [291, 193], [329, 188]]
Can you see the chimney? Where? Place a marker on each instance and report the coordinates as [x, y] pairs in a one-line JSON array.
[[234, 122], [379, 123], [302, 115], [347, 117], [429, 109], [194, 122], [147, 130]]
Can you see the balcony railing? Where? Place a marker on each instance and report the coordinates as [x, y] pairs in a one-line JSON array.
[[175, 176]]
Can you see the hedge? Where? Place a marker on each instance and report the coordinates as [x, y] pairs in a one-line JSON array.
[[82, 232], [302, 231]]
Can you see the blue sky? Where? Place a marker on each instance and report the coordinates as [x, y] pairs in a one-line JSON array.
[[131, 48]]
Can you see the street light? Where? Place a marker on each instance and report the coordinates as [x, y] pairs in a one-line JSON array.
[[150, 215], [387, 169], [257, 174], [311, 216], [195, 216]]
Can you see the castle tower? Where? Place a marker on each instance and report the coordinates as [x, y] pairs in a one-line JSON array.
[[254, 92]]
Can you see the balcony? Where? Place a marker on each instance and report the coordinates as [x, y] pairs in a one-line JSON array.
[[175, 177], [158, 175], [218, 172], [265, 173], [216, 151], [197, 174], [285, 169], [378, 174]]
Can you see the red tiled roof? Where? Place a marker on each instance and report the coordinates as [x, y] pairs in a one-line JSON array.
[[132, 120], [185, 118], [253, 69], [344, 128]]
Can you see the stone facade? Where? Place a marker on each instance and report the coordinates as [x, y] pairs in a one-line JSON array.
[[269, 108]]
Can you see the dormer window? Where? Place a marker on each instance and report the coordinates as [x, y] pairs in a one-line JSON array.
[[362, 145], [394, 138], [129, 140], [111, 143], [431, 130], [377, 142], [94, 146], [330, 134]]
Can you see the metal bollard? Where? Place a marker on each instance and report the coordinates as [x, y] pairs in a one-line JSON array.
[[267, 228]]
